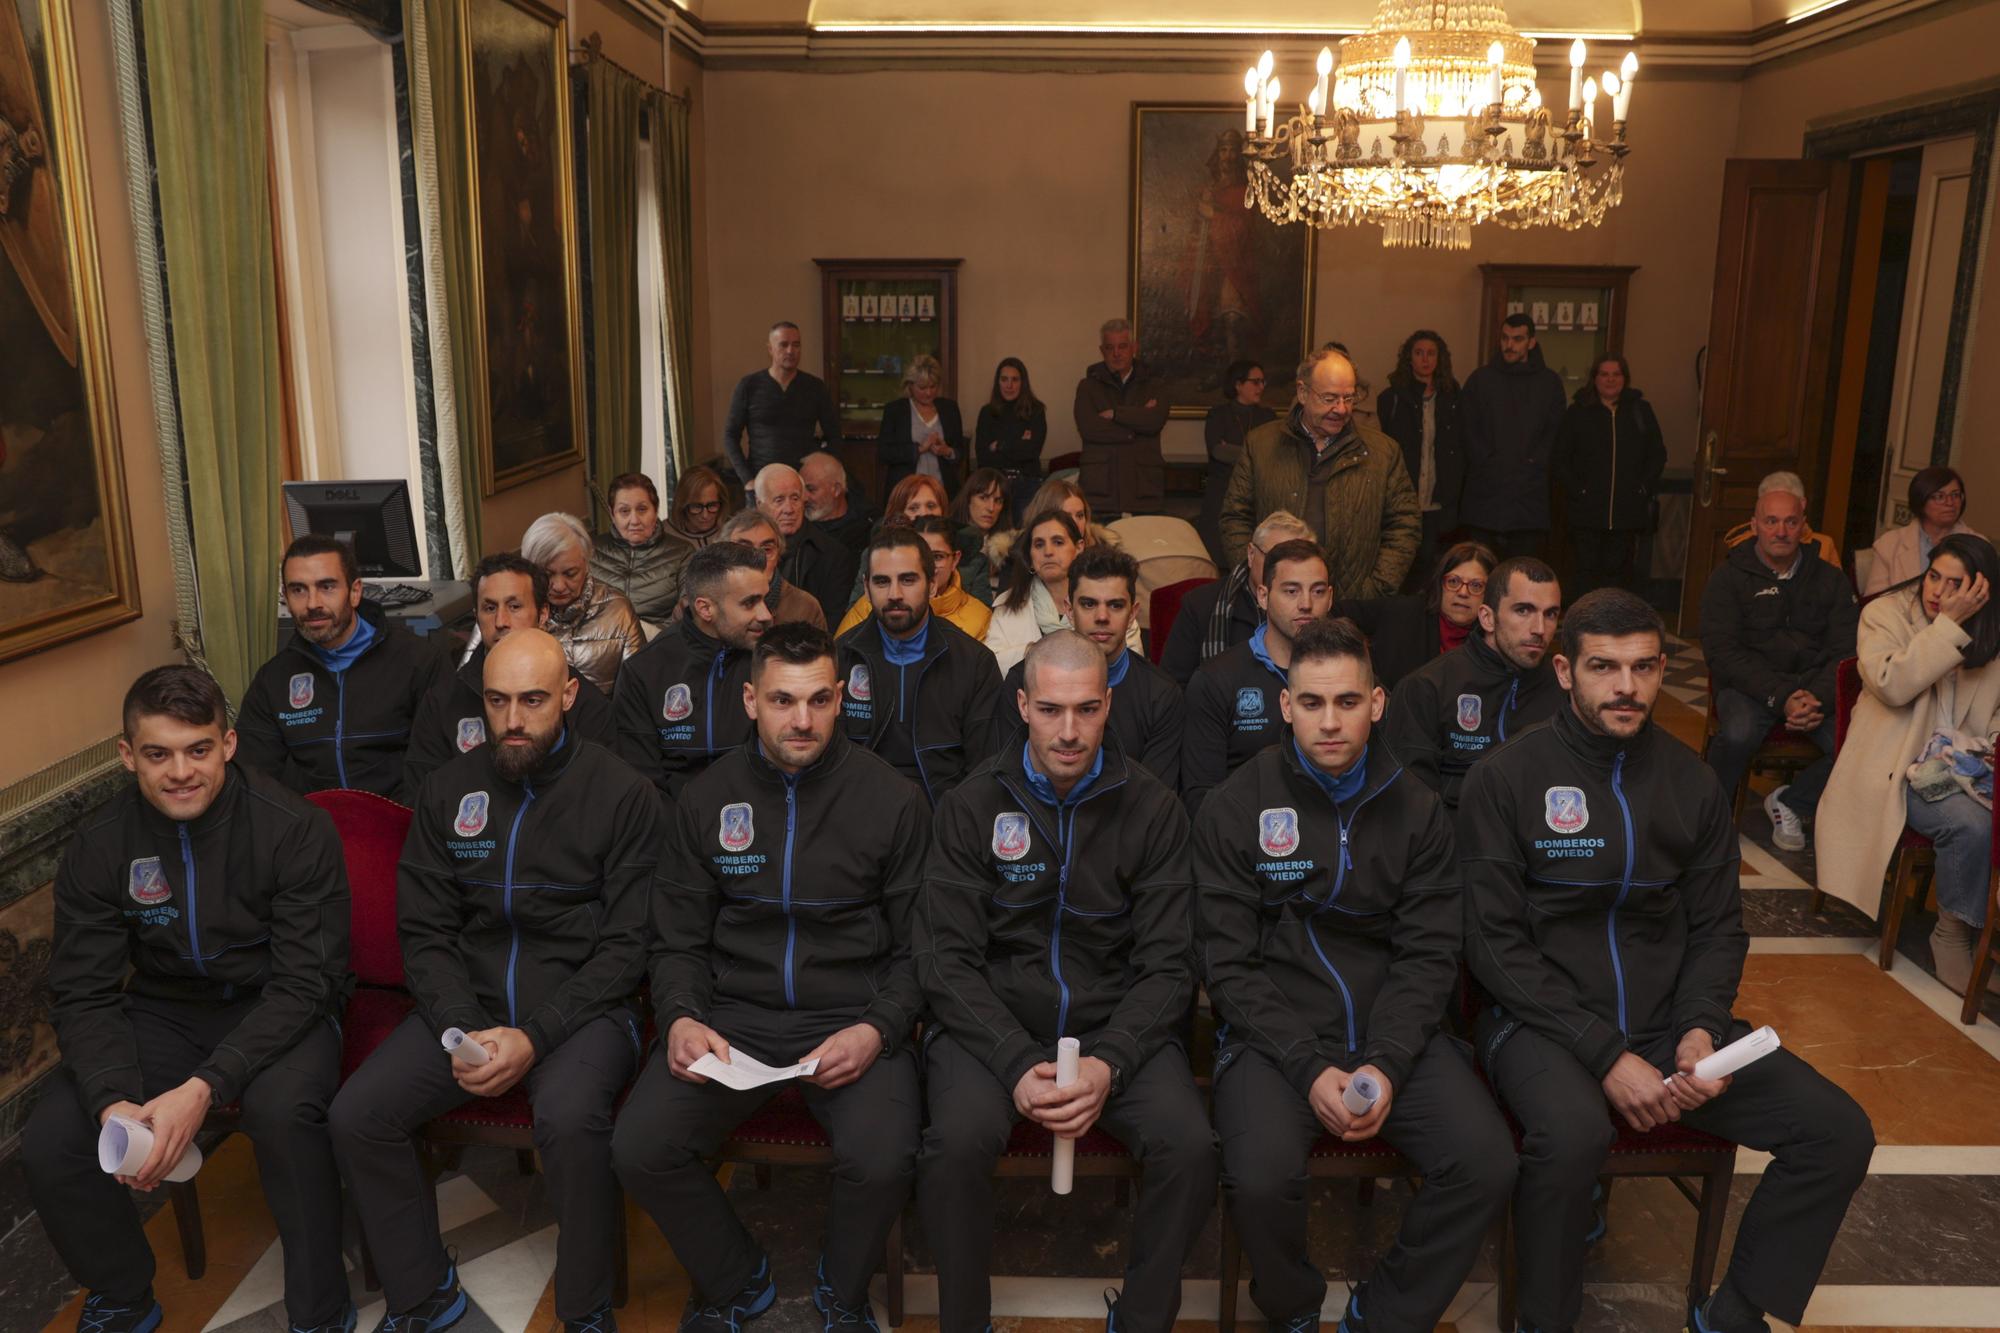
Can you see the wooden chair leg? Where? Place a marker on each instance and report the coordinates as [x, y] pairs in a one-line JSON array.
[[1892, 911], [892, 1285], [1230, 1273], [1364, 1191], [1503, 1263], [1982, 955], [1121, 1191], [621, 1255], [762, 1172], [524, 1161], [186, 1203], [1710, 1212], [1819, 902]]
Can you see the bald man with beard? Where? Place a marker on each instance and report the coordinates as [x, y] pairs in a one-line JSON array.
[[521, 899]]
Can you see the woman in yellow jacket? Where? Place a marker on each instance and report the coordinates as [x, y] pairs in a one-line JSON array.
[[949, 598]]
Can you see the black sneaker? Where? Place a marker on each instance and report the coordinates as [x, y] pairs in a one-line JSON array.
[[1697, 1320], [1298, 1323], [600, 1320], [848, 1318], [343, 1324], [108, 1314], [434, 1313], [739, 1309], [1350, 1318], [1111, 1310]]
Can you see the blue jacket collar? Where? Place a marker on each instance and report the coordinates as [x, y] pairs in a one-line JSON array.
[[1263, 654], [1115, 676], [1341, 789], [1045, 790], [910, 651], [339, 659]]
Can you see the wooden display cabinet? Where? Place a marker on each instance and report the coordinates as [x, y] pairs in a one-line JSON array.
[[1592, 296], [876, 316]]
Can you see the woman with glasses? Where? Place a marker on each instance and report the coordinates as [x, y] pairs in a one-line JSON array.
[[1458, 586], [1229, 424], [1419, 410], [1937, 509]]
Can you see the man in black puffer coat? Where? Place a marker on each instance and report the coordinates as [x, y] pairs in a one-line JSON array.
[[1511, 406]]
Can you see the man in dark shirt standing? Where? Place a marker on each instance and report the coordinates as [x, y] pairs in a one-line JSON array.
[[1510, 409], [1121, 408], [779, 406]]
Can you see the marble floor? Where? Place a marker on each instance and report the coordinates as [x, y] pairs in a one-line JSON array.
[[1917, 1251]]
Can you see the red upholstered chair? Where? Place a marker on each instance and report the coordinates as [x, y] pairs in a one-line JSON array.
[[1163, 610], [1916, 859], [1783, 752], [1982, 955]]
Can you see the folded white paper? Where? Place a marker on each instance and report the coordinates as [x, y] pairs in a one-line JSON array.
[[123, 1145], [463, 1048], [744, 1072]]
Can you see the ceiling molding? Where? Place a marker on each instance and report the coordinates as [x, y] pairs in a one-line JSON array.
[[798, 47]]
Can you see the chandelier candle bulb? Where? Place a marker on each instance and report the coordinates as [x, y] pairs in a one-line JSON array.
[[1621, 104], [1590, 104], [1495, 55], [1250, 100], [1325, 70], [1576, 75], [1402, 73], [1270, 109], [1265, 64]]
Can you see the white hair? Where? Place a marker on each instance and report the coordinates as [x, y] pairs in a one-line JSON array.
[[1787, 482], [1280, 521], [1111, 326], [774, 472], [824, 460], [552, 534]]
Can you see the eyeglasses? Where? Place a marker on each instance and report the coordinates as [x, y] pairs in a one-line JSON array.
[[1335, 399], [1253, 379], [1950, 497], [702, 507], [1453, 583]]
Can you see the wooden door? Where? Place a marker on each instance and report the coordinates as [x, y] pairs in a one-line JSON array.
[[1771, 350]]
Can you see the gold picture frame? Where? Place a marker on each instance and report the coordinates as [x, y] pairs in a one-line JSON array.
[[1192, 241], [522, 218], [66, 563]]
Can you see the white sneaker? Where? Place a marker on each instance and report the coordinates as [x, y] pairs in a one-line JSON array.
[[1786, 831]]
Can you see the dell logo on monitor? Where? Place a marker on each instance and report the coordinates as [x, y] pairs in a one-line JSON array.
[[342, 493]]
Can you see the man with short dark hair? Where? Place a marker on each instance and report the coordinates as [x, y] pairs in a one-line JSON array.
[[781, 930], [814, 559], [200, 958], [1120, 409], [676, 697], [919, 690], [1327, 904], [1511, 408], [1776, 621], [779, 407], [831, 503], [1449, 713], [334, 708], [521, 906], [1603, 917], [1055, 904], [508, 593], [1232, 702], [1147, 714]]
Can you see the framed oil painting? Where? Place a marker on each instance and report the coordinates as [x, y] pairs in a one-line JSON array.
[[65, 537], [524, 223], [1211, 281]]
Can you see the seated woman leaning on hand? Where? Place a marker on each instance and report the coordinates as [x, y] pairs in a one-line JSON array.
[[1926, 650]]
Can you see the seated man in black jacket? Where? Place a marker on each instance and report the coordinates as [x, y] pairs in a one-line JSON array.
[[334, 708], [919, 690], [781, 930], [200, 959], [1328, 908], [521, 907], [814, 560], [1776, 620], [1055, 904], [508, 593], [1496, 684], [1147, 715], [1603, 916], [679, 699], [1232, 702]]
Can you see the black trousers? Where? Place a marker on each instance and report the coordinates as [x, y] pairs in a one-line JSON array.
[[1508, 544], [668, 1127], [1602, 559], [1820, 1139], [407, 1081], [91, 1218], [1441, 1119], [1158, 1116]]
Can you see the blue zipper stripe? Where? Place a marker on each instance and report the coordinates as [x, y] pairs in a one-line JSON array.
[[791, 922], [1624, 888], [194, 932], [1066, 825], [340, 725], [1513, 695], [1346, 996], [1340, 882], [708, 704], [507, 901]]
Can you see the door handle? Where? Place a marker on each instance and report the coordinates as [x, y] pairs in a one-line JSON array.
[[1705, 471]]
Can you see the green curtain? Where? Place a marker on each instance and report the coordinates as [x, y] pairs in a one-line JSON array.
[[612, 149], [453, 138], [672, 132], [205, 88]]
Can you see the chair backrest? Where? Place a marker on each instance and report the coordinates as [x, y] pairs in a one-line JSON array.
[[1846, 693], [1164, 607], [372, 829], [1168, 550]]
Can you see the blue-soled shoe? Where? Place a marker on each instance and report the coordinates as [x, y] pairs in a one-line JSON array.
[[730, 1315], [108, 1314]]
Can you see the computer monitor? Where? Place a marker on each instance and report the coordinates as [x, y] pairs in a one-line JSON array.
[[372, 517]]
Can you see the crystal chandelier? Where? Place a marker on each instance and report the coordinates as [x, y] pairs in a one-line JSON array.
[[1432, 125]]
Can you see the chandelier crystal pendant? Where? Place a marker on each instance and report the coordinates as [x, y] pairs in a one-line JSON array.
[[1432, 125]]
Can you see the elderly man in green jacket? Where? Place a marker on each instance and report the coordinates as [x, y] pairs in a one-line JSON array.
[[1347, 481]]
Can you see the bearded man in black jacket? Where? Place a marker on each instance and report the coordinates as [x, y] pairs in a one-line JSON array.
[[1604, 917]]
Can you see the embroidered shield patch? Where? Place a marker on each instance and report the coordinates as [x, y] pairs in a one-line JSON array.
[[1010, 835], [301, 692], [147, 883], [471, 820], [1564, 809], [679, 703], [1249, 702], [1278, 831], [858, 687], [471, 733], [1469, 706], [738, 829]]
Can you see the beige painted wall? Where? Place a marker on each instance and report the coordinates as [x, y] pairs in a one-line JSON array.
[[1025, 177], [66, 699]]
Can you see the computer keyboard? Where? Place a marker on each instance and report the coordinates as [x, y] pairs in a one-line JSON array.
[[396, 594]]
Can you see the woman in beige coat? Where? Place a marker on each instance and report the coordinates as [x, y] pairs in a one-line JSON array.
[[1937, 504], [1926, 656]]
